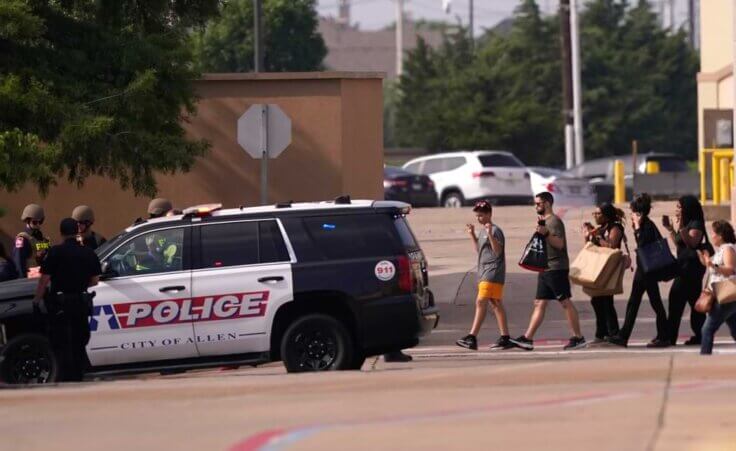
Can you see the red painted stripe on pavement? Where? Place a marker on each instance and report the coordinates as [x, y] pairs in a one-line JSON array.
[[257, 441]]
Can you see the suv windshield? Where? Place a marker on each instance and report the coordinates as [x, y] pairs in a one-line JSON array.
[[499, 160]]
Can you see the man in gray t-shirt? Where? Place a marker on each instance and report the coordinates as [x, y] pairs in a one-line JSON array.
[[554, 283], [489, 244]]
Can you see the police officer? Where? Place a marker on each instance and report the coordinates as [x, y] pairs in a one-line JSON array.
[[70, 269], [158, 207], [85, 217], [30, 243]]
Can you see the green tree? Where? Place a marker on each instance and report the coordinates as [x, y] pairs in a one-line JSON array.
[[291, 39], [96, 87], [638, 83]]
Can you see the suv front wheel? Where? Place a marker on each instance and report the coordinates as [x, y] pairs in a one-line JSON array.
[[317, 343], [453, 200]]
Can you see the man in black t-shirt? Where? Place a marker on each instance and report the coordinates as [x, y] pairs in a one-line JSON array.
[[70, 269]]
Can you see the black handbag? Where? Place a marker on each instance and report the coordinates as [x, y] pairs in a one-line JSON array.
[[656, 259], [534, 257]]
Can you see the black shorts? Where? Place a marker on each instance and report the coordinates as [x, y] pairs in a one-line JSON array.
[[554, 284]]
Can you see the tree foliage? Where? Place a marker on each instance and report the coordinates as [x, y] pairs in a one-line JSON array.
[[638, 83], [96, 87], [291, 39]]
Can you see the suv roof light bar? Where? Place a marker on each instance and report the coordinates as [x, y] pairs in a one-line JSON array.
[[201, 211]]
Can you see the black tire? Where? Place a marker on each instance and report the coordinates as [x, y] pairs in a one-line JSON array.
[[453, 199], [28, 359], [316, 343]]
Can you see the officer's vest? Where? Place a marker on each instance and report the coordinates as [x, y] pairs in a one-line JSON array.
[[36, 244]]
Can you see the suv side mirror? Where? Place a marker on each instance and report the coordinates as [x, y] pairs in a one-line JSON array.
[[107, 271]]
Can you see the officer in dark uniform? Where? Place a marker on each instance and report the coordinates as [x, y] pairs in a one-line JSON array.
[[71, 269], [30, 244], [85, 217]]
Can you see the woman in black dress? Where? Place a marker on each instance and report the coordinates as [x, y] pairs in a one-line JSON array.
[[689, 235], [645, 232]]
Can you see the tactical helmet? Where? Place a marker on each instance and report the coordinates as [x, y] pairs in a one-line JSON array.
[[83, 213], [34, 212], [159, 206]]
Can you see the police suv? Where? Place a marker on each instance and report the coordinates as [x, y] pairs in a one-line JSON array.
[[319, 286]]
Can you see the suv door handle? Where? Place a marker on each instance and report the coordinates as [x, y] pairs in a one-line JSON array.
[[173, 289], [272, 279]]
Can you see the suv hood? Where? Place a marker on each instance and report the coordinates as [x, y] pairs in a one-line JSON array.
[[17, 289]]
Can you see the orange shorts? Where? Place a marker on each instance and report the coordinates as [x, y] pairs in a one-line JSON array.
[[490, 290]]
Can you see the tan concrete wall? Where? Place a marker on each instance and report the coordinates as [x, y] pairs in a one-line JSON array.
[[337, 148], [716, 23]]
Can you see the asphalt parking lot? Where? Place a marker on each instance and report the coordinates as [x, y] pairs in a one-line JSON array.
[[448, 398]]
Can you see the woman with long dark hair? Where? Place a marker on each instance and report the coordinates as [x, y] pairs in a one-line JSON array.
[[608, 232], [645, 233], [722, 266], [689, 235]]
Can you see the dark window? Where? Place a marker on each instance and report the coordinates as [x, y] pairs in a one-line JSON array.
[[434, 166], [499, 160], [353, 236], [405, 233], [670, 164], [454, 163], [231, 244], [272, 246], [239, 243], [152, 253], [413, 168]]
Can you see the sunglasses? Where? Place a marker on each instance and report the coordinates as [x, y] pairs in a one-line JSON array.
[[85, 223], [34, 222]]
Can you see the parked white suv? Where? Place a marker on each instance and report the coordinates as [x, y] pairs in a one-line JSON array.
[[462, 178]]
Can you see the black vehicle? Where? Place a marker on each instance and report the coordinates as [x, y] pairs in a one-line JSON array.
[[404, 186], [319, 286]]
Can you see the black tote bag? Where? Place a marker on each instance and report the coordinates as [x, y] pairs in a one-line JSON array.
[[534, 257], [656, 259]]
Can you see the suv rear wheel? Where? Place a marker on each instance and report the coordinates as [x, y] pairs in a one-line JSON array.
[[317, 343], [453, 199], [28, 359]]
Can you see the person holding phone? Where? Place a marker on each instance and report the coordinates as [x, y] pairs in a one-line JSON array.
[[689, 236], [645, 233], [608, 232], [554, 283]]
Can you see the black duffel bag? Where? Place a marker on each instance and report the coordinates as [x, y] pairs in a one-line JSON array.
[[534, 257], [656, 260]]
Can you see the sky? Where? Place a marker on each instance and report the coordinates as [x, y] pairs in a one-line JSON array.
[[376, 14]]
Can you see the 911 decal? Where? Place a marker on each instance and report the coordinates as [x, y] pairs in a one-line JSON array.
[[175, 311]]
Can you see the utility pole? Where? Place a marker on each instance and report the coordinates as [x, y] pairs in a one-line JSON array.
[[471, 24], [258, 34], [672, 15], [577, 89], [691, 23], [567, 100], [399, 37]]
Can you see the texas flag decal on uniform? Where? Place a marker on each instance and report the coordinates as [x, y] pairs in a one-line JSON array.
[[174, 311]]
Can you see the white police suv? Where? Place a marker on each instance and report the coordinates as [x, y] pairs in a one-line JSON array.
[[319, 286]]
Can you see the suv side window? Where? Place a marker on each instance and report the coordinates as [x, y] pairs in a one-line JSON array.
[[413, 168], [155, 252], [271, 246], [229, 244], [434, 165], [353, 236], [454, 163], [242, 243]]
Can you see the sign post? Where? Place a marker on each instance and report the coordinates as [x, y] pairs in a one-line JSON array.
[[264, 131]]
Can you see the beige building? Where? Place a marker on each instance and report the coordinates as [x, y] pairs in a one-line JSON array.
[[715, 80], [336, 148]]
